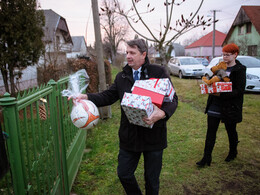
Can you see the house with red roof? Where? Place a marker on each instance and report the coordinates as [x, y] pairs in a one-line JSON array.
[[245, 31], [203, 46]]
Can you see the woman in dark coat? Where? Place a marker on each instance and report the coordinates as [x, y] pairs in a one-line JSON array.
[[226, 107]]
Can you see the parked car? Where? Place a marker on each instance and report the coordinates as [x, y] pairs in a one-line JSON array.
[[186, 67], [203, 61], [252, 71]]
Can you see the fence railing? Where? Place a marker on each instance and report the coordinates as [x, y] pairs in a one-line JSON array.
[[44, 148]]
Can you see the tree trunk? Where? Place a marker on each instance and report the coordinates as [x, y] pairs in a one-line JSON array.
[[5, 78], [113, 57], [164, 62], [11, 75]]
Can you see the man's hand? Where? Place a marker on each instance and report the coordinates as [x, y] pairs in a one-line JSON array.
[[79, 97], [155, 116]]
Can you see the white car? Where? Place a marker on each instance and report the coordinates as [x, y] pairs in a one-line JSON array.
[[204, 61], [252, 71], [186, 67]]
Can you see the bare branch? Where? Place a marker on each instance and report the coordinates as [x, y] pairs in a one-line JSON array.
[[183, 25], [182, 31], [140, 18]]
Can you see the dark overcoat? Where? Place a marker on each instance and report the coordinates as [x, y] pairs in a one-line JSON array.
[[232, 102], [133, 137]]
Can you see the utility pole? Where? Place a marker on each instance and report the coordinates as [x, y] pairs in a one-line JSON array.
[[104, 111], [214, 29]]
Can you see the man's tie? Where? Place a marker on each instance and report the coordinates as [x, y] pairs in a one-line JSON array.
[[136, 77]]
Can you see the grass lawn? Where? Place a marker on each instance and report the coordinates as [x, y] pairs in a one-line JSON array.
[[186, 136]]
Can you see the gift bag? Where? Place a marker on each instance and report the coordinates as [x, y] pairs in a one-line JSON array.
[[84, 114]]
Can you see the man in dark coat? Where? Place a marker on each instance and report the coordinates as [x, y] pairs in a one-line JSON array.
[[136, 140], [226, 107]]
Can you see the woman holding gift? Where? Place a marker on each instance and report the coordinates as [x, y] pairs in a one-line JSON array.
[[226, 107]]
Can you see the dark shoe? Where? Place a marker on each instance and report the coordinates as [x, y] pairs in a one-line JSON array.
[[231, 156], [204, 161], [232, 152]]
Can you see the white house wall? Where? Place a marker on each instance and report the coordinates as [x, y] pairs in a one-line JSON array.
[[73, 54], [62, 45], [83, 49], [28, 80]]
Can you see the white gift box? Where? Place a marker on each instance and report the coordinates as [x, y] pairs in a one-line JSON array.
[[165, 85], [148, 85], [136, 107], [157, 96], [161, 86]]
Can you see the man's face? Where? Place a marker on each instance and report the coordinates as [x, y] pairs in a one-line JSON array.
[[134, 58]]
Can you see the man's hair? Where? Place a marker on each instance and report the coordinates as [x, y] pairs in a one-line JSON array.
[[231, 48], [139, 43]]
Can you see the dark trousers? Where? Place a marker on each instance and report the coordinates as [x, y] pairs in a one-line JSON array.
[[127, 164], [213, 124]]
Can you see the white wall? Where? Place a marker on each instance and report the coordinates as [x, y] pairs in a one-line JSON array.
[[28, 80]]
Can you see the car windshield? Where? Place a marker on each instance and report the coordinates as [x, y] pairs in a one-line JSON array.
[[189, 61], [250, 62]]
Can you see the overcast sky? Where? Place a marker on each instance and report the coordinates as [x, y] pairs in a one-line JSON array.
[[78, 14]]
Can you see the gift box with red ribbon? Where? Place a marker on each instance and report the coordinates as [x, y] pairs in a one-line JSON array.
[[217, 87], [164, 85], [136, 107], [158, 89]]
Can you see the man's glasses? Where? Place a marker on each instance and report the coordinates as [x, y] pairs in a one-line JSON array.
[[227, 54]]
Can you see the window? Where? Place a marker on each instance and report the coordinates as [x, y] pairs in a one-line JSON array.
[[252, 50], [57, 44], [240, 30], [57, 39], [248, 27]]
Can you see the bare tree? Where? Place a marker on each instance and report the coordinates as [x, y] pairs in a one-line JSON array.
[[114, 26], [243, 45], [167, 32]]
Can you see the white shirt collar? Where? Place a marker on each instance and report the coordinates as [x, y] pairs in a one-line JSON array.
[[139, 69]]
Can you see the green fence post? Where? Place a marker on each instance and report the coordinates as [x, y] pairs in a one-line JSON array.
[[61, 149], [63, 145], [11, 126]]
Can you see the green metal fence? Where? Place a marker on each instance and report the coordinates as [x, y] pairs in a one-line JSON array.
[[44, 147]]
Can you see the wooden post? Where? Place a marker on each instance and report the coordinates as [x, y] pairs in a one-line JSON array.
[[100, 58]]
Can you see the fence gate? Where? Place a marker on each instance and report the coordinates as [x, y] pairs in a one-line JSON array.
[[44, 148]]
